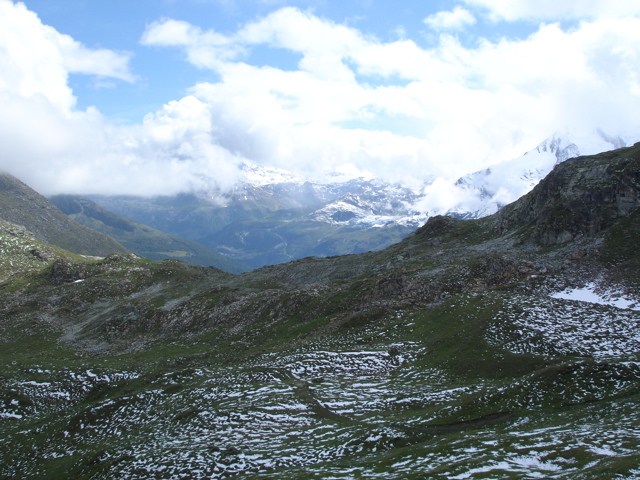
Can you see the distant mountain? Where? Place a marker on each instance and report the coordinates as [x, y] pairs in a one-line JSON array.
[[275, 223], [487, 191], [274, 216], [21, 205], [141, 239]]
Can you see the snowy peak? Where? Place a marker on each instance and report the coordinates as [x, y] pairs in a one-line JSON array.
[[258, 175], [561, 148], [487, 191], [366, 202], [571, 144]]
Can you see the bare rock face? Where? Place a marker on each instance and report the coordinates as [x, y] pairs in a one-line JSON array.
[[580, 197]]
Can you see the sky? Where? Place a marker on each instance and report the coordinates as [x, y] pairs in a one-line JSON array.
[[157, 97]]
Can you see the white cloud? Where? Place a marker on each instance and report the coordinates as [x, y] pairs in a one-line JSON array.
[[500, 98], [456, 19], [77, 58], [554, 10], [352, 103], [204, 49], [441, 196], [35, 59], [56, 148]]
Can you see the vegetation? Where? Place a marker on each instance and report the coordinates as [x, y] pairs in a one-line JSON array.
[[141, 239], [448, 355], [23, 206]]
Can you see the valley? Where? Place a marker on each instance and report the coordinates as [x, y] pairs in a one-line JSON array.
[[461, 351]]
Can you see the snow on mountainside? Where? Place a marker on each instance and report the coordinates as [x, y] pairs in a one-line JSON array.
[[340, 199], [486, 191], [370, 203], [259, 176]]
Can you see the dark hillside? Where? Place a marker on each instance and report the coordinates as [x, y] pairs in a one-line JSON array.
[[21, 205], [142, 239], [580, 197]]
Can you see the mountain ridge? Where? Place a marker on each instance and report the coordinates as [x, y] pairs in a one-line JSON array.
[[19, 204], [141, 239], [275, 216]]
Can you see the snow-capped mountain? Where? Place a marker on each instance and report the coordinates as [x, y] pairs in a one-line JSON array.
[[487, 191], [337, 200], [369, 204], [372, 203], [274, 216], [259, 176]]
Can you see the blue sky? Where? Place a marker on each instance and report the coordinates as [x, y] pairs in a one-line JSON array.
[[118, 25], [163, 96]]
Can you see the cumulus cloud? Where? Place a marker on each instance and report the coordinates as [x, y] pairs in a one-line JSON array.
[[56, 148], [204, 49], [35, 59], [554, 10], [440, 196], [470, 106], [456, 19], [349, 102]]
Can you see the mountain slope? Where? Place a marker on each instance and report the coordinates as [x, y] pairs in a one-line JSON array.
[[141, 239], [471, 349], [21, 205], [487, 191], [562, 208], [275, 217], [263, 225], [23, 253]]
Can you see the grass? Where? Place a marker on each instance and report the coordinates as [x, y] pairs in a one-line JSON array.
[[168, 398]]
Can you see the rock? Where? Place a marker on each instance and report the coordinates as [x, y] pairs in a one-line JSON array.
[[42, 256], [62, 271], [580, 197]]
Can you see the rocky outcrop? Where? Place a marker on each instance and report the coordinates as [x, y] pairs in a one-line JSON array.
[[580, 197]]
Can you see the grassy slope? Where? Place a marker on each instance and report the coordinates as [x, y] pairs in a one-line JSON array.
[[142, 239], [442, 389], [21, 205]]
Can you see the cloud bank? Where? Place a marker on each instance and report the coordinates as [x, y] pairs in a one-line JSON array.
[[346, 102]]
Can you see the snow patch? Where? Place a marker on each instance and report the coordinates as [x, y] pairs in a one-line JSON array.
[[592, 294]]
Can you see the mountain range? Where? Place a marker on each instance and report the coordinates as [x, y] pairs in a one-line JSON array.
[[270, 224], [274, 216], [81, 226], [21, 205], [505, 346]]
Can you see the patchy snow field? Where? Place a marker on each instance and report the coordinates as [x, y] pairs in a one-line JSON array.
[[348, 409], [578, 322]]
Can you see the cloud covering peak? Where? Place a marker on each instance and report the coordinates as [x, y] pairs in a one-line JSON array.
[[337, 99]]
